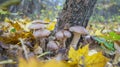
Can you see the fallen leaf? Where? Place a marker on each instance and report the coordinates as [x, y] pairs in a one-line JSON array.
[[81, 57]]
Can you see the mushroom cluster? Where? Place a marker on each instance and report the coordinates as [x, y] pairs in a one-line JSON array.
[[39, 31]]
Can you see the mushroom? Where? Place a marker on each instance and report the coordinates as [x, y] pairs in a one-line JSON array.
[[37, 26], [67, 34], [52, 45], [39, 21], [62, 36], [59, 35], [39, 31], [41, 34], [88, 39], [77, 32]]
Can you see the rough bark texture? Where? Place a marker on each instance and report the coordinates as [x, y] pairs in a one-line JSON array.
[[75, 12]]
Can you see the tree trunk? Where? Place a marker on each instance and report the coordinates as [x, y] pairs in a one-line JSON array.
[[75, 12]]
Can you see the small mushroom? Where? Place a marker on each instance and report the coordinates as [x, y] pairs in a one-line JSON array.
[[41, 33], [52, 45], [62, 36], [59, 35], [77, 32], [39, 21], [88, 39], [67, 34], [37, 26]]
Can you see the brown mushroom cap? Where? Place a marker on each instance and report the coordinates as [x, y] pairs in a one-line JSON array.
[[59, 35], [78, 29], [41, 33], [39, 21], [67, 33], [63, 33], [52, 45], [37, 26]]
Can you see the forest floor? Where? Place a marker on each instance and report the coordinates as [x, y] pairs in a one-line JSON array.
[[22, 45]]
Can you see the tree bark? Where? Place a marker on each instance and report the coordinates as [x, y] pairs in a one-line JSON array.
[[75, 12]]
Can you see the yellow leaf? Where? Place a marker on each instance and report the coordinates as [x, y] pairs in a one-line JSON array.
[[32, 62], [98, 33], [7, 20], [51, 26], [81, 57], [47, 20], [96, 60], [54, 63], [14, 24], [75, 55]]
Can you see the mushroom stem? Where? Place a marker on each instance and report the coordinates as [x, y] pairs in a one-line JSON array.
[[64, 40], [75, 40], [42, 43]]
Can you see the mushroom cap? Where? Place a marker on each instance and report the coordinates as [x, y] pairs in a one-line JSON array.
[[41, 33], [67, 33], [39, 21], [59, 35], [37, 26], [78, 29], [52, 45]]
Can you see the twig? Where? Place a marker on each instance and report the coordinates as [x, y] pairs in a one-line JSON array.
[[9, 61], [24, 48], [43, 54]]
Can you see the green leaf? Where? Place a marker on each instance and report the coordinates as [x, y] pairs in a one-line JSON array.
[[112, 36], [13, 30], [108, 45]]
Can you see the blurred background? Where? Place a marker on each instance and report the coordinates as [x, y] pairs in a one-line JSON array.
[[105, 11]]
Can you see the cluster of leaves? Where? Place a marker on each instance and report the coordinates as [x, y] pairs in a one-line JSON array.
[[13, 30], [106, 34], [78, 58]]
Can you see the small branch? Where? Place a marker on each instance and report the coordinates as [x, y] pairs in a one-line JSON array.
[[43, 54], [24, 48], [9, 61]]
